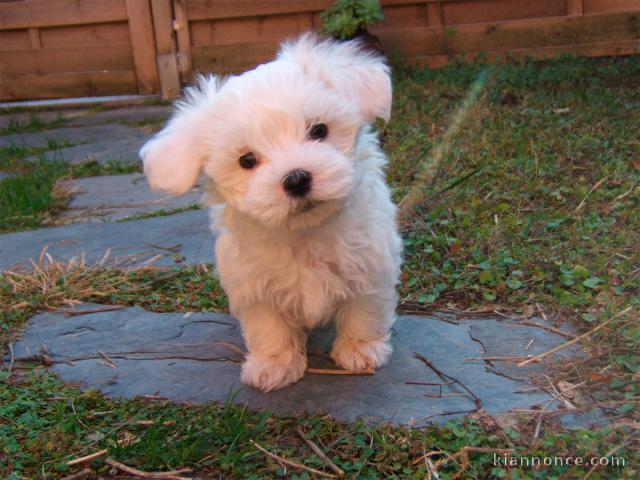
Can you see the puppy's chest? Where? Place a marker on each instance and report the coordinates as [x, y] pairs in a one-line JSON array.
[[311, 284]]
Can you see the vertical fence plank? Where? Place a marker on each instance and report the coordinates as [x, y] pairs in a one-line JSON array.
[[434, 14], [34, 38], [168, 73], [575, 7], [184, 39], [143, 45]]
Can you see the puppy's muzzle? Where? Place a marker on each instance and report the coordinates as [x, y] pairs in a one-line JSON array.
[[297, 183]]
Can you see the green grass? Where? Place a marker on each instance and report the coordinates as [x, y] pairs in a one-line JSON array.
[[33, 124], [43, 424], [29, 198], [531, 206]]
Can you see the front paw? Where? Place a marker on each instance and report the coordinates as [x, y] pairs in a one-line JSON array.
[[358, 355], [270, 373]]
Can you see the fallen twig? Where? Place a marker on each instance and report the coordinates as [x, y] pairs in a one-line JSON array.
[[539, 357], [495, 359], [594, 188], [111, 363], [290, 463], [171, 475], [77, 313], [79, 475], [548, 328], [446, 377], [338, 371], [87, 458], [173, 248], [320, 453]]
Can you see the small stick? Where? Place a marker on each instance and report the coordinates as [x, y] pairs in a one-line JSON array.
[[87, 458], [531, 342], [172, 475], [537, 358], [496, 359], [445, 395], [78, 475], [173, 248], [548, 328], [544, 317], [320, 453], [112, 364], [429, 384], [77, 313], [595, 187], [476, 400], [290, 463], [337, 371]]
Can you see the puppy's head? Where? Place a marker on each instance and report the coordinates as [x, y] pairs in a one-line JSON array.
[[279, 141]]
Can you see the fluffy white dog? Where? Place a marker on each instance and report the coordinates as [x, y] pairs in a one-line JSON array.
[[305, 223]]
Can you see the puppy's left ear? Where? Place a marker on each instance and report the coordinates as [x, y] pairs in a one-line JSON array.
[[347, 68], [173, 158]]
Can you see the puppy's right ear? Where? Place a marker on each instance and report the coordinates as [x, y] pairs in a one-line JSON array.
[[173, 158]]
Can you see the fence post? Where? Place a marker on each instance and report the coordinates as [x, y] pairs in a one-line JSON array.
[[143, 45], [168, 73], [181, 26]]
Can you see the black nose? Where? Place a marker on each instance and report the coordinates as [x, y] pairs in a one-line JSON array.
[[297, 183]]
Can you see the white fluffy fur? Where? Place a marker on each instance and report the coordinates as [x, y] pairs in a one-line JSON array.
[[288, 264]]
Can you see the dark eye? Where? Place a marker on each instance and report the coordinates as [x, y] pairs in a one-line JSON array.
[[248, 160], [318, 131]]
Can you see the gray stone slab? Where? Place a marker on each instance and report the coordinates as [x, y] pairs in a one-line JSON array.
[[117, 197], [185, 235], [90, 116], [75, 135], [124, 150], [196, 358]]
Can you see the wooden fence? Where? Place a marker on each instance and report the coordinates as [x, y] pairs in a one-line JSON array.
[[69, 48]]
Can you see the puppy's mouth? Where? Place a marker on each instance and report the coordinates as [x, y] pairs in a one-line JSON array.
[[306, 206]]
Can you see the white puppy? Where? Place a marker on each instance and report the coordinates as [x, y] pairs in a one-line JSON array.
[[305, 223]]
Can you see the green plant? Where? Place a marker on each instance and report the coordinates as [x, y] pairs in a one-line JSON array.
[[347, 18]]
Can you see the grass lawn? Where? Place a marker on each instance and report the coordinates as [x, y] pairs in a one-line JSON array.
[[519, 193]]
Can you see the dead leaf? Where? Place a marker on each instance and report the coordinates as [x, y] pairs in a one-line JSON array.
[[127, 439], [507, 420], [528, 311], [569, 391]]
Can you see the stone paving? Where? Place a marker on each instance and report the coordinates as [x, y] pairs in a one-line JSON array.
[[73, 135], [183, 238], [118, 197], [196, 358]]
